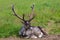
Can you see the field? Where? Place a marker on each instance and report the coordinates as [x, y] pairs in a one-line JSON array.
[[47, 16]]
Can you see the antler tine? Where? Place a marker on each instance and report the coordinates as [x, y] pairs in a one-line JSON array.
[[32, 13], [32, 7], [15, 13], [23, 17], [32, 18]]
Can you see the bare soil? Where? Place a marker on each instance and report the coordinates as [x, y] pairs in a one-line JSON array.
[[49, 37]]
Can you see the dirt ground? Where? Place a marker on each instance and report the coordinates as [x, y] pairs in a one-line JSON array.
[[49, 37]]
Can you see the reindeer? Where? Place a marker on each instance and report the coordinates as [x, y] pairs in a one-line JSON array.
[[27, 30]]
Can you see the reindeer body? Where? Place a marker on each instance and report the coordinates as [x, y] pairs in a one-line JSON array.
[[33, 32]]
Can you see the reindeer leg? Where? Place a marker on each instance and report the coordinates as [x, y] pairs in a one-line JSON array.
[[44, 33]]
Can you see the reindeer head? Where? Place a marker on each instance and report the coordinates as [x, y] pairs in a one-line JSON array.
[[25, 22]]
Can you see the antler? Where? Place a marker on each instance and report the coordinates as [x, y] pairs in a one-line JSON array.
[[32, 13], [16, 14]]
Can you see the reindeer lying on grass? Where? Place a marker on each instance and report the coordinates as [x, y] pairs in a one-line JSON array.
[[27, 30]]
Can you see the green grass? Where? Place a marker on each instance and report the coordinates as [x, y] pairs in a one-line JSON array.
[[46, 10]]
